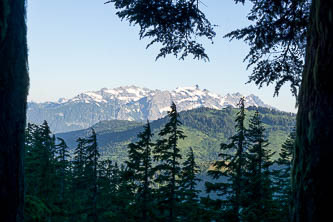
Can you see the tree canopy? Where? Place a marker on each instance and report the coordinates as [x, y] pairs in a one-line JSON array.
[[277, 39], [174, 24], [276, 34]]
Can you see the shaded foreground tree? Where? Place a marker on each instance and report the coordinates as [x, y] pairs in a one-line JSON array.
[[14, 82], [314, 131], [174, 24], [280, 34], [277, 40]]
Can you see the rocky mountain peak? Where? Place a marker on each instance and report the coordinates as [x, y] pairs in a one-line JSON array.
[[128, 103]]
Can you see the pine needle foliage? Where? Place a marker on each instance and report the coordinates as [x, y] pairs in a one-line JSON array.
[[229, 171], [91, 174], [63, 179], [140, 167], [188, 188], [189, 178], [79, 184], [277, 40], [173, 24], [168, 168], [282, 176], [41, 180], [258, 190]]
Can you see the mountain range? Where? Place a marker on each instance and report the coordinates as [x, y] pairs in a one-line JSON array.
[[130, 103]]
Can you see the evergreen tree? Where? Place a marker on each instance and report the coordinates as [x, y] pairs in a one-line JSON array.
[[14, 87], [62, 165], [189, 194], [63, 178], [177, 32], [35, 208], [91, 174], [283, 176], [32, 158], [85, 179], [107, 190], [46, 144], [168, 172], [79, 185], [44, 148], [258, 199], [41, 179], [140, 166], [211, 209], [123, 199], [231, 168]]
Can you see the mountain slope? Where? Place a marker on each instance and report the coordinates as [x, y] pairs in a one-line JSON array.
[[127, 103], [205, 129]]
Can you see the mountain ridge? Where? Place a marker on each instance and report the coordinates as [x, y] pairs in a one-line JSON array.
[[128, 103]]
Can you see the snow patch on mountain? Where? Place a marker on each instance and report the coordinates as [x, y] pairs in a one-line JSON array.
[[128, 103]]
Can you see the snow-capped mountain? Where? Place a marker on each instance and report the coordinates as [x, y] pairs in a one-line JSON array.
[[127, 103]]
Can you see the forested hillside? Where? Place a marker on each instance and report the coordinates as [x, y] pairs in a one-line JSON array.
[[202, 165], [205, 129]]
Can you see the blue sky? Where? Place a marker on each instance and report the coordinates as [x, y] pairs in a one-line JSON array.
[[81, 45]]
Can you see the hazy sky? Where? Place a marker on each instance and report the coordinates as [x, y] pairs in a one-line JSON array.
[[81, 45]]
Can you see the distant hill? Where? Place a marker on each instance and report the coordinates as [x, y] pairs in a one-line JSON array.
[[205, 129], [127, 103]]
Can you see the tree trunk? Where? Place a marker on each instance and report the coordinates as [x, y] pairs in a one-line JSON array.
[[312, 184], [14, 83]]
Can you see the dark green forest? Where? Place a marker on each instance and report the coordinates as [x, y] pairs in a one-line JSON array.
[[159, 180]]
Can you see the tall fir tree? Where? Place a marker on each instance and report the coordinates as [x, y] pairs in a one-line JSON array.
[[140, 166], [91, 168], [31, 160], [190, 208], [231, 168], [283, 177], [107, 175], [14, 87], [79, 182], [63, 179], [35, 208], [258, 190], [47, 145], [123, 206], [168, 171], [41, 179]]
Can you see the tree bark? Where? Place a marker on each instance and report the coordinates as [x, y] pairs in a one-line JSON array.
[[14, 82], [312, 184]]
